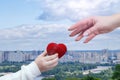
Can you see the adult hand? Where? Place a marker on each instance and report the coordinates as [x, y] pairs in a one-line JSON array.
[[94, 26]]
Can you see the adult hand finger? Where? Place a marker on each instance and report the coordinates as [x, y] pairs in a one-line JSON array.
[[90, 37], [80, 36], [79, 24]]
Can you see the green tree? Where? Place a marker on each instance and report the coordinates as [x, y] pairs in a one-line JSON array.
[[90, 78], [73, 79], [49, 79], [116, 73]]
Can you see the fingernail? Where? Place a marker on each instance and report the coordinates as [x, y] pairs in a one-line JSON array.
[[85, 34], [56, 54], [76, 40], [70, 35], [69, 29], [85, 42]]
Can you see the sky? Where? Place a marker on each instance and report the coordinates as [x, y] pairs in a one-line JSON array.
[[32, 24]]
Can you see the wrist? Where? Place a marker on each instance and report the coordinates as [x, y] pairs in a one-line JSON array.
[[116, 19], [39, 66], [33, 67], [36, 62]]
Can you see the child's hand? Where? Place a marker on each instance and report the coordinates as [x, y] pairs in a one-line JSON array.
[[46, 62]]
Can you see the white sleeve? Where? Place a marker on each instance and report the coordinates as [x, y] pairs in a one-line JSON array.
[[28, 72]]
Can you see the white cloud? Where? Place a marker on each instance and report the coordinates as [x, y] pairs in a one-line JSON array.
[[32, 31], [29, 37], [37, 36], [45, 31], [76, 9]]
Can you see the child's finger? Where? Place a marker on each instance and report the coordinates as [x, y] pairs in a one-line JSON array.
[[53, 65], [44, 53], [51, 62], [51, 57]]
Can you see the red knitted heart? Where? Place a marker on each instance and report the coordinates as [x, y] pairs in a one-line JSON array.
[[53, 48]]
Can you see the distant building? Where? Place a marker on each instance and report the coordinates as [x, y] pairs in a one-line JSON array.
[[5, 55], [1, 56], [118, 55], [93, 56], [16, 56]]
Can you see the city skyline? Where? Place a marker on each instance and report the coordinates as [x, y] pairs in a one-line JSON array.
[[32, 24], [93, 56]]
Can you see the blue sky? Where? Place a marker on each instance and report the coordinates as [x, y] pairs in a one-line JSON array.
[[32, 24], [17, 12]]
